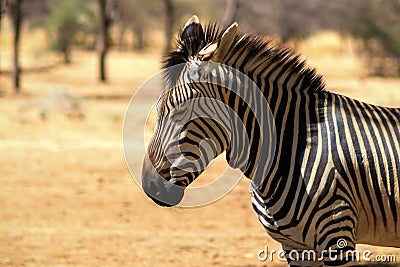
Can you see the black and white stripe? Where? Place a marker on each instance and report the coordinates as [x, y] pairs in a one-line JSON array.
[[335, 173]]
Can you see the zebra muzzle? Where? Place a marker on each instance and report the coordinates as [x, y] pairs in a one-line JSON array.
[[161, 191]]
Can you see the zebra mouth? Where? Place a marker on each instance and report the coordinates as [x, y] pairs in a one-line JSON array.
[[162, 192]]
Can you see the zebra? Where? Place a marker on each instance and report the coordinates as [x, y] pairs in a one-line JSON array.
[[334, 179]]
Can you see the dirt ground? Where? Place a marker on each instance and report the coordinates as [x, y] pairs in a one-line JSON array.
[[67, 198]]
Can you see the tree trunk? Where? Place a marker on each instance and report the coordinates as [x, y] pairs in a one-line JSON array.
[[121, 36], [169, 23], [103, 39], [15, 7], [66, 55], [2, 13], [140, 43]]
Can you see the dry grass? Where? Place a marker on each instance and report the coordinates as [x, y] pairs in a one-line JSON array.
[[334, 57], [67, 198]]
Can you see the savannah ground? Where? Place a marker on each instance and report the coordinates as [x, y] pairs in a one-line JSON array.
[[67, 198]]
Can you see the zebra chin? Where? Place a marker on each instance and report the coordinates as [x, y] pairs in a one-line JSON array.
[[161, 191]]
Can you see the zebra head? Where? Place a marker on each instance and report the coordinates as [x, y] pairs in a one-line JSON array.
[[193, 123]]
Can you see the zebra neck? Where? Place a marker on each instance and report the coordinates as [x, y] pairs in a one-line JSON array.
[[295, 111], [288, 99], [281, 90]]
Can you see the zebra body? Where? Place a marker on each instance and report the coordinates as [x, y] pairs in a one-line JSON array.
[[343, 162], [335, 172]]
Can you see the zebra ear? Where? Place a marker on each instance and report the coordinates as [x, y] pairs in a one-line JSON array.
[[216, 51], [208, 52], [225, 42], [192, 29]]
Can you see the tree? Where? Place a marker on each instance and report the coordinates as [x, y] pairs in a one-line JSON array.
[[65, 21], [169, 23], [375, 24], [140, 16], [104, 22], [3, 8], [16, 14]]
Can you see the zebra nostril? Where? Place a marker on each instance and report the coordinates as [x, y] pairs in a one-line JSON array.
[[149, 187], [165, 194], [156, 192], [181, 183], [152, 189], [164, 172], [160, 190]]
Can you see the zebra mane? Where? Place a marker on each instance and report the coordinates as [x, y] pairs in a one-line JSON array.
[[257, 50]]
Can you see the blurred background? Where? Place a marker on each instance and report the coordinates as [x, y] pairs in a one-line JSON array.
[[67, 72]]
